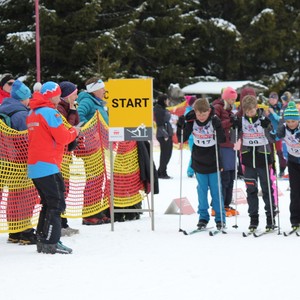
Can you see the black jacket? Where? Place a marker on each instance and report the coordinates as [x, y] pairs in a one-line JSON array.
[[203, 158], [162, 118]]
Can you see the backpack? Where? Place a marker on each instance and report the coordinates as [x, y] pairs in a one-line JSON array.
[[6, 117]]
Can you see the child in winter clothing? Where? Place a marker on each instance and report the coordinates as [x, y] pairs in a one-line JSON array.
[[274, 116], [256, 157], [203, 125], [290, 132], [190, 100], [223, 109]]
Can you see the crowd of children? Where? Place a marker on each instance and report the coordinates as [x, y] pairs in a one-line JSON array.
[[255, 132]]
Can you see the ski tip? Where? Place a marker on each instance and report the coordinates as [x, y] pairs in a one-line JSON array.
[[183, 231]]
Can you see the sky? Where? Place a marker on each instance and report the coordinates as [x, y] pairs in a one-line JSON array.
[[135, 262]]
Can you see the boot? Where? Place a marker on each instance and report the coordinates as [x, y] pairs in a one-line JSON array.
[[202, 224], [28, 237]]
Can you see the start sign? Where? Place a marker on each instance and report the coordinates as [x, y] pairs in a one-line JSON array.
[[130, 109]]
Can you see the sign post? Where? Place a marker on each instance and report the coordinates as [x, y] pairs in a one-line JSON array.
[[130, 105]]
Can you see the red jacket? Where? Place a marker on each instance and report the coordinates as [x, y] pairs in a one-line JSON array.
[[224, 116], [3, 94], [47, 137]]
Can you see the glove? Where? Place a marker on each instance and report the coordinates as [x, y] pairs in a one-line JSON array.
[[297, 135], [72, 146], [181, 122], [273, 134], [280, 132], [264, 122], [215, 122], [234, 120]]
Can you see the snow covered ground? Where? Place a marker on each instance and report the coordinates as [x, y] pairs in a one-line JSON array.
[[134, 262]]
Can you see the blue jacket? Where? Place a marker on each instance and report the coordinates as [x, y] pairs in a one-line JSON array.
[[275, 117], [18, 119], [88, 105]]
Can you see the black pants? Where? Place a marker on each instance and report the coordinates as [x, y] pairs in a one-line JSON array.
[[51, 190], [294, 175], [227, 179], [166, 148], [252, 190]]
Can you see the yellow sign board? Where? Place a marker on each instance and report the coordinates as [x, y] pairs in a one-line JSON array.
[[130, 109]]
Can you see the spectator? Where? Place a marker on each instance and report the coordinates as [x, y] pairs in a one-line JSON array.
[[89, 102], [17, 107], [67, 108], [223, 109], [190, 100], [47, 139], [274, 115], [5, 86], [164, 133]]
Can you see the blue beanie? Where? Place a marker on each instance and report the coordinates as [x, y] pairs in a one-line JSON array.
[[20, 91]]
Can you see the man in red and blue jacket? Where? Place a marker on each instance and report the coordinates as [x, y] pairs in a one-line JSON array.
[[47, 139]]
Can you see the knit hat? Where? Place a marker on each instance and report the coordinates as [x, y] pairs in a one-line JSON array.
[[95, 86], [291, 112], [247, 91], [50, 89], [67, 89], [37, 86], [190, 100], [287, 96], [273, 95], [20, 91], [229, 93], [5, 78]]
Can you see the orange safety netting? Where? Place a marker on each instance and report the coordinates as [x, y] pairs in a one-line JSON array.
[[86, 173]]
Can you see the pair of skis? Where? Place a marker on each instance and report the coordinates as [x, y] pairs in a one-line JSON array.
[[295, 230], [209, 229]]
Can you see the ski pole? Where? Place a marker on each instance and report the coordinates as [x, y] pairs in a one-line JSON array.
[[269, 185], [236, 171], [219, 180], [180, 180], [275, 171]]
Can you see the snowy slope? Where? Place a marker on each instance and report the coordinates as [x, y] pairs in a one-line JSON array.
[[134, 262]]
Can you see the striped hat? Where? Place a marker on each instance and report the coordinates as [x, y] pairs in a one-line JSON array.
[[291, 112], [50, 89]]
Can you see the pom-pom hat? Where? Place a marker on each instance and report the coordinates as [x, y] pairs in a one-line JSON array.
[[20, 91], [291, 112], [50, 89]]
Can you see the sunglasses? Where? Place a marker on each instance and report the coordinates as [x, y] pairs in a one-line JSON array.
[[10, 83]]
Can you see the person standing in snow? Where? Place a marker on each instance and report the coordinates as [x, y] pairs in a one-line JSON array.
[[202, 123], [17, 107], [254, 128], [289, 130], [223, 109], [89, 102], [47, 139], [190, 100], [5, 86], [67, 108], [274, 116], [164, 133]]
